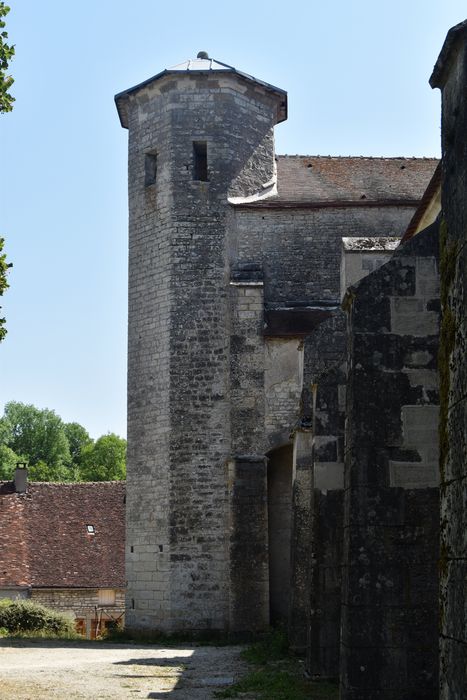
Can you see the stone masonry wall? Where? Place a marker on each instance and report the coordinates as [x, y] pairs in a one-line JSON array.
[[247, 372], [207, 394], [149, 309], [300, 250], [389, 644], [327, 542], [283, 360], [248, 525], [249, 574], [83, 603], [301, 540], [323, 367], [451, 75], [179, 425]]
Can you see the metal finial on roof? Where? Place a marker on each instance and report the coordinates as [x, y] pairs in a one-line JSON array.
[[202, 54]]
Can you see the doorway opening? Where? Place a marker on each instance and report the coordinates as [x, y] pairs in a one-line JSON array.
[[279, 531]]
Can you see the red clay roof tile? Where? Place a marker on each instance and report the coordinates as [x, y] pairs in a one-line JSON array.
[[332, 178], [44, 535]]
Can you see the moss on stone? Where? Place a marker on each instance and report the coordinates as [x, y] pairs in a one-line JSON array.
[[348, 300], [448, 257]]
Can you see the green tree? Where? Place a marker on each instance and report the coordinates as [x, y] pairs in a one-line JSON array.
[[4, 265], [6, 105], [78, 438], [54, 450], [6, 54], [43, 472], [38, 434], [105, 460], [8, 460]]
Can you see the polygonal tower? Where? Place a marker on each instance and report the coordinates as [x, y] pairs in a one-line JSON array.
[[200, 135]]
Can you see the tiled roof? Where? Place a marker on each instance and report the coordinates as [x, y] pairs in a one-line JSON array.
[[45, 540], [201, 66], [312, 179]]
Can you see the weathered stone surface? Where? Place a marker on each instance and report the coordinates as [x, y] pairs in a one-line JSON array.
[[301, 250], [212, 391], [301, 541], [247, 368], [360, 256], [452, 668], [390, 573], [179, 373], [249, 570], [323, 369], [323, 649], [450, 75], [283, 360], [279, 526]]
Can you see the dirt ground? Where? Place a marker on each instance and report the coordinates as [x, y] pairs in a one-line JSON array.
[[39, 670]]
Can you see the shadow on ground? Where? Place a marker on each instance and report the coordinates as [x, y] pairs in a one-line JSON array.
[[194, 675]]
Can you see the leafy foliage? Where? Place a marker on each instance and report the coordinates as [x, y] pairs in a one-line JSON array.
[[37, 433], [105, 460], [6, 105], [24, 616], [6, 54], [78, 438], [4, 266], [41, 471], [8, 460], [54, 450]]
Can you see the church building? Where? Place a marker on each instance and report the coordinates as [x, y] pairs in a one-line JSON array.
[[282, 384]]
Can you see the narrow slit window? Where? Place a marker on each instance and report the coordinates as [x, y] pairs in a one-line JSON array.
[[150, 169], [200, 158]]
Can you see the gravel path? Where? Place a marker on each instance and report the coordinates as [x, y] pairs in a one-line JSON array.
[[40, 670]]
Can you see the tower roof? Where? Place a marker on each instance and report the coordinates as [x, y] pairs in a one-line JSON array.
[[202, 64]]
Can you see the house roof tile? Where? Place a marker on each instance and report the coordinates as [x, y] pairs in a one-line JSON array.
[[346, 181], [45, 538], [331, 178]]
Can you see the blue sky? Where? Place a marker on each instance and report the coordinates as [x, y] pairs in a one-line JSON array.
[[357, 77]]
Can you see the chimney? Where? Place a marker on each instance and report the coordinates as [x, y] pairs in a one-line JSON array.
[[21, 477]]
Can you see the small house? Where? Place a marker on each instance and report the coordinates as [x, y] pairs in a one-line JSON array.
[[62, 545]]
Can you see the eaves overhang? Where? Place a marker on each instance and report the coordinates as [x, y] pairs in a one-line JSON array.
[[296, 320], [121, 98], [432, 192], [279, 203]]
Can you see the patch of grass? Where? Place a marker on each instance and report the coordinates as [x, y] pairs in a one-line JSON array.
[[273, 647], [31, 636], [277, 675], [273, 684]]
